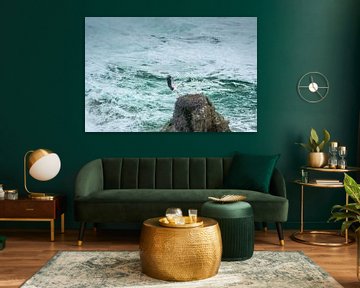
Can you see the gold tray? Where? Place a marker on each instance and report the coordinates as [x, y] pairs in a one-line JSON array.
[[165, 222], [228, 198]]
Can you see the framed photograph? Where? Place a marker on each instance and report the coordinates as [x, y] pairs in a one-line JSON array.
[[170, 74]]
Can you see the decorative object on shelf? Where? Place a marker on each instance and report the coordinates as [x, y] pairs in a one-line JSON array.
[[317, 157], [313, 87], [228, 198], [11, 194], [342, 153], [327, 181], [2, 192], [43, 165], [350, 213], [304, 176], [333, 146]]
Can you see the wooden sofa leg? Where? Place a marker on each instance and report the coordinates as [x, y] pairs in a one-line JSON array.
[[280, 233], [265, 227], [81, 233]]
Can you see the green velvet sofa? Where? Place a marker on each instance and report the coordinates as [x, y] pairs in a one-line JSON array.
[[130, 190]]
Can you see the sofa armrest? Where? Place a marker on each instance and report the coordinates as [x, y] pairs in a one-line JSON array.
[[89, 179], [277, 184]]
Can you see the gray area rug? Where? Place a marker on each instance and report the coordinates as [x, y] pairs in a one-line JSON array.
[[78, 269]]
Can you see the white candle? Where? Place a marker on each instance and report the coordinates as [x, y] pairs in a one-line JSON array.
[[342, 149]]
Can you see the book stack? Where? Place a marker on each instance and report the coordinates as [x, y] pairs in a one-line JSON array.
[[327, 181]]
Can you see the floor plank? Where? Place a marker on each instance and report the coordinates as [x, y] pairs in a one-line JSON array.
[[28, 250]]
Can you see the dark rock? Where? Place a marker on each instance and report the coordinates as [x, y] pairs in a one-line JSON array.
[[196, 113]]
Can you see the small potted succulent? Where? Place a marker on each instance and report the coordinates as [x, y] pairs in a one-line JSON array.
[[317, 157]]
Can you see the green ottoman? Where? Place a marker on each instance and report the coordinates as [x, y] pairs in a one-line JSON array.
[[236, 221]]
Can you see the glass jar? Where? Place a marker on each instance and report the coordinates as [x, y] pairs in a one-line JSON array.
[[174, 215], [2, 192], [342, 154], [304, 176], [333, 161], [11, 194]]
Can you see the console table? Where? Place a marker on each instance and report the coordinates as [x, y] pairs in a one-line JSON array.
[[297, 235], [27, 209]]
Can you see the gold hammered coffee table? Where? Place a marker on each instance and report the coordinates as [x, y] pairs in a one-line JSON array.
[[180, 254]]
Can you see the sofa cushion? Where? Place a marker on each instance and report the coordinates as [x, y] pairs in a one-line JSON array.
[[266, 207], [251, 172]]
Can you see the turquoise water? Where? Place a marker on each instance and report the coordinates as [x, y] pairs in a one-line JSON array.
[[127, 61]]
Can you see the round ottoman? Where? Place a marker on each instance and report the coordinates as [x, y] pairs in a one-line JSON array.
[[236, 221]]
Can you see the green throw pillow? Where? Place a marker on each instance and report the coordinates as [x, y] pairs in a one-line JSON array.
[[251, 172]]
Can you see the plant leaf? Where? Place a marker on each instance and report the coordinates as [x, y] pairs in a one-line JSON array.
[[352, 207], [337, 216], [352, 188], [312, 144], [326, 136], [350, 213], [306, 146], [346, 225], [314, 136], [321, 146]]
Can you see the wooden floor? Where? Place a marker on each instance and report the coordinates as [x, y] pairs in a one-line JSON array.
[[28, 250]]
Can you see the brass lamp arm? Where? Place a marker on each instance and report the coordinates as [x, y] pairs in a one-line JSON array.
[[25, 162], [32, 194]]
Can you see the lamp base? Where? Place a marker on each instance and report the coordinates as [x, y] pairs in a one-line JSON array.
[[41, 196]]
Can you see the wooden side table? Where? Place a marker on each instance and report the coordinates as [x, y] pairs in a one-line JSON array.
[[26, 209]]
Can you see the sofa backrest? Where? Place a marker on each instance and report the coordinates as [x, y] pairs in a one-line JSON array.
[[165, 173]]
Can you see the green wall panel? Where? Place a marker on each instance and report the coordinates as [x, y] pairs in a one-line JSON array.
[[42, 88]]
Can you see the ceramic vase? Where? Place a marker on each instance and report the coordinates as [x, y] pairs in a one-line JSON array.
[[317, 159]]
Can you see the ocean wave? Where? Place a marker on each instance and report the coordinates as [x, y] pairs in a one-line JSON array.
[[117, 101]]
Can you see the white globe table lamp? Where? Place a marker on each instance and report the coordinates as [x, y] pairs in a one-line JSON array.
[[43, 165]]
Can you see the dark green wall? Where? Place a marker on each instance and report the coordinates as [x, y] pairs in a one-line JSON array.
[[42, 88]]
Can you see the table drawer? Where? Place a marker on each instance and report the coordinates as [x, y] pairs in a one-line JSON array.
[[28, 209]]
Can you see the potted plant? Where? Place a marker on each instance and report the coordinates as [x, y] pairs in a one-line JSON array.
[[317, 157], [350, 213]]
